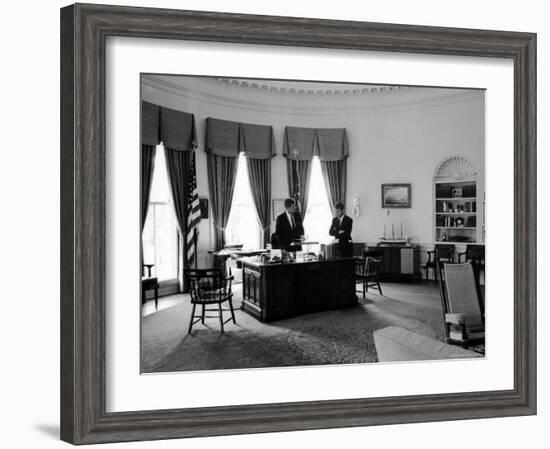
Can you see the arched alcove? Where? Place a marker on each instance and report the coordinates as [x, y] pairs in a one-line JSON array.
[[456, 201], [455, 167]]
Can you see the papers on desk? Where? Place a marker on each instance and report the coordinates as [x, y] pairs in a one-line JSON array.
[[275, 255]]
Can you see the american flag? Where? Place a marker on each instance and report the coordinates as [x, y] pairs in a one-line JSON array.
[[193, 214]]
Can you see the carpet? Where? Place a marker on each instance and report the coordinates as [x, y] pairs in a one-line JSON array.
[[334, 337]]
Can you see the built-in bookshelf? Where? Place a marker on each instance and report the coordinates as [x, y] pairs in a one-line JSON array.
[[456, 211]]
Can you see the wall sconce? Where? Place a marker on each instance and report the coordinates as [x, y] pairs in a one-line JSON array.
[[356, 207]]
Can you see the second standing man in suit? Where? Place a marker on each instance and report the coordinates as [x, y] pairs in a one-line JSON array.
[[341, 230]]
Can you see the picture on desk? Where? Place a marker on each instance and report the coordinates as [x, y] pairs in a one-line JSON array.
[[264, 243]]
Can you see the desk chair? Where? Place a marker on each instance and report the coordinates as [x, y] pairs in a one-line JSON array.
[[441, 253], [368, 270], [209, 287], [476, 255]]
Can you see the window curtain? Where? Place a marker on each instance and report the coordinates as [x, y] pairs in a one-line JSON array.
[[299, 148], [179, 138], [222, 148], [150, 138], [332, 148], [334, 175], [147, 168], [259, 147], [222, 172]]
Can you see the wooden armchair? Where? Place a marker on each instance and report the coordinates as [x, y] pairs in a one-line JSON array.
[[476, 255], [368, 270], [441, 253], [209, 287], [149, 283], [463, 310]]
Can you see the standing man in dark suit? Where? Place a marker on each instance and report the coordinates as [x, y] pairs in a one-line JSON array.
[[288, 227], [341, 229]]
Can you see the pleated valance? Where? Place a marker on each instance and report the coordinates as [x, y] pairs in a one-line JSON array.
[[332, 144], [150, 123], [301, 144], [177, 129], [257, 141], [222, 137], [227, 138]]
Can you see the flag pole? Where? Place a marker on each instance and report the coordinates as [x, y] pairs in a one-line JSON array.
[[196, 247]]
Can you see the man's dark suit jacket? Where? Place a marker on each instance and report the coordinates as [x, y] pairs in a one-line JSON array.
[[344, 244], [285, 234]]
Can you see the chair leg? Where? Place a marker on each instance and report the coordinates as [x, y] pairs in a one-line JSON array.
[[191, 320], [221, 316], [202, 316], [364, 288], [232, 311], [156, 298], [379, 288]]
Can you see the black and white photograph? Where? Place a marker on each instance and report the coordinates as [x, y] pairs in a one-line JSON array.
[[275, 224], [293, 260]]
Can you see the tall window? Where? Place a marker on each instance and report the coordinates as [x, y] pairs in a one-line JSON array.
[[319, 213], [160, 236], [243, 226]]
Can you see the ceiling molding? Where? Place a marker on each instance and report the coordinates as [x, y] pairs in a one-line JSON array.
[[375, 102], [313, 88]]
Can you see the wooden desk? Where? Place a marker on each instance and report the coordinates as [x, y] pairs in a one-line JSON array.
[[277, 291]]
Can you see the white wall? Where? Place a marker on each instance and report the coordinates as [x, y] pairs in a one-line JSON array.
[[394, 137], [30, 328]]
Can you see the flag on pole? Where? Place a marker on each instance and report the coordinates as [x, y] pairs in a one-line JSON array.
[[193, 214]]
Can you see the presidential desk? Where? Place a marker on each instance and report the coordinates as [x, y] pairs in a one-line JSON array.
[[276, 291]]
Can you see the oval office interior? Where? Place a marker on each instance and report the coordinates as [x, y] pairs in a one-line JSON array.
[[327, 212]]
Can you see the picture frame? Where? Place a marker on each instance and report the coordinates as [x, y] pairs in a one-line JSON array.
[[84, 28], [456, 192], [396, 196]]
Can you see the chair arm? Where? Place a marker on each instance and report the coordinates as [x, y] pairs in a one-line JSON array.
[[455, 318], [229, 280]]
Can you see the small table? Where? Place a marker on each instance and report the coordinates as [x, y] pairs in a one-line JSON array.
[[149, 283]]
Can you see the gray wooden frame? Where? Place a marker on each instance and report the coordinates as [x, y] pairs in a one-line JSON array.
[[84, 29]]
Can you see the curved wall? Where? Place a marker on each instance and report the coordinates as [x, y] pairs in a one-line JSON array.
[[394, 137]]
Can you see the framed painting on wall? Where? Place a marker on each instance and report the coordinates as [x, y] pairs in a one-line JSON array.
[[396, 196]]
